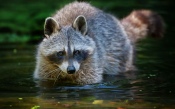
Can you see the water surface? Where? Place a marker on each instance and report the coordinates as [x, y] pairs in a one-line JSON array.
[[151, 87]]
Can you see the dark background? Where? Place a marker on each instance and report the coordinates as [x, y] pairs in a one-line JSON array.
[[21, 29], [21, 21]]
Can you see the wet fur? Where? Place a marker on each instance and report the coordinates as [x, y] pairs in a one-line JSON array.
[[108, 40]]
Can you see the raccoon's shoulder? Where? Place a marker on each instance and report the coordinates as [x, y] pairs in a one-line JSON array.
[[69, 13]]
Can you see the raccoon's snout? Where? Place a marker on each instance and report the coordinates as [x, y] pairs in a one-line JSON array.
[[71, 70]]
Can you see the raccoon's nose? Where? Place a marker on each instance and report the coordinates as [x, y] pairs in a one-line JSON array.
[[70, 69]]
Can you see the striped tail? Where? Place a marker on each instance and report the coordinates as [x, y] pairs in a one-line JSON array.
[[142, 23]]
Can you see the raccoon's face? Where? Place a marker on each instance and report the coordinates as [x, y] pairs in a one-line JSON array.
[[67, 47]]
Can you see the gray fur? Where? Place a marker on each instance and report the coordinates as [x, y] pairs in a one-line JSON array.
[[110, 50]]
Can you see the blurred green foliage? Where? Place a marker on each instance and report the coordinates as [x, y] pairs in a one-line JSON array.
[[22, 20]]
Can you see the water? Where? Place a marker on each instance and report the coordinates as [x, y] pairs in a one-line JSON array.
[[151, 87]]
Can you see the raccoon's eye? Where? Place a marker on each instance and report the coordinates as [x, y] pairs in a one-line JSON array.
[[77, 52], [60, 53]]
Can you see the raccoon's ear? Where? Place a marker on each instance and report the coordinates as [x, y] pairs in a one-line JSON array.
[[80, 24], [51, 26]]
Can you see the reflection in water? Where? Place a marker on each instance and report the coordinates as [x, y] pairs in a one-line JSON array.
[[87, 94], [152, 86], [97, 91]]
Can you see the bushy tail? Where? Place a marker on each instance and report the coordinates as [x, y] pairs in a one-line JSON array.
[[142, 23]]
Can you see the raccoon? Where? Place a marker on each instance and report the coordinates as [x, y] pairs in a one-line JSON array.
[[82, 43]]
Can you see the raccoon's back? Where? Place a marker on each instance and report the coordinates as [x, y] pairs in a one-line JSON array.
[[69, 13]]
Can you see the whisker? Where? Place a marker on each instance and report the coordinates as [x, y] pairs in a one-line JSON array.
[[47, 74], [57, 77], [82, 73]]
